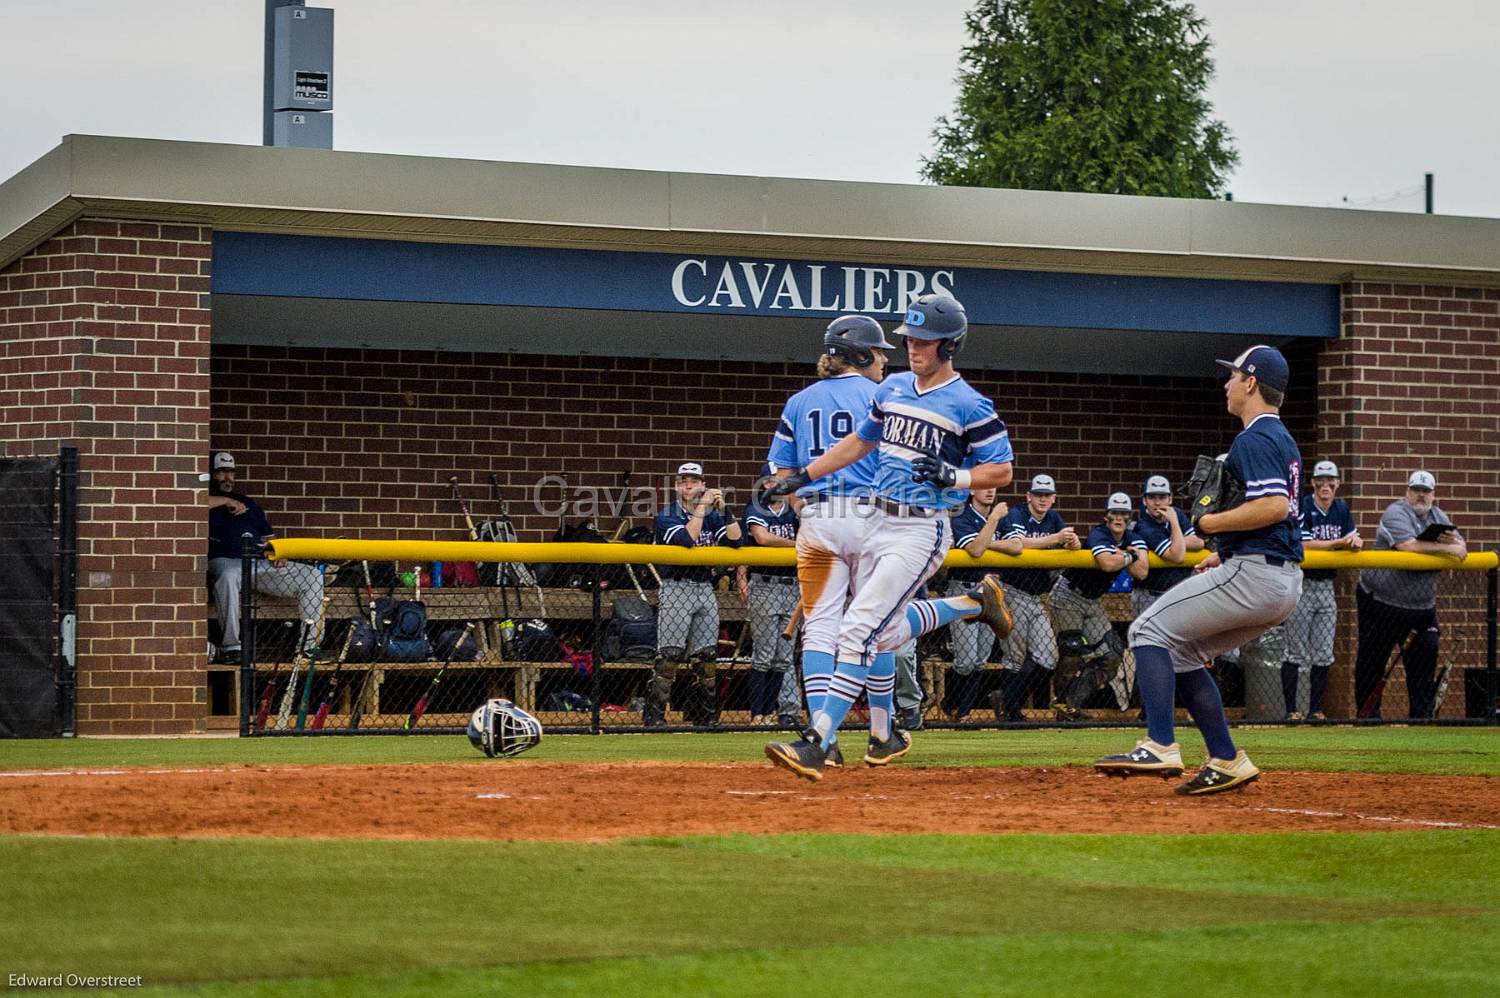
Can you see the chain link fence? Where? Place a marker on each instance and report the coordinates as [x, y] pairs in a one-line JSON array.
[[391, 647]]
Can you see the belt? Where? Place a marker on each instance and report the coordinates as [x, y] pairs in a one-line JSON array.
[[901, 509], [780, 580], [862, 499], [1271, 560]]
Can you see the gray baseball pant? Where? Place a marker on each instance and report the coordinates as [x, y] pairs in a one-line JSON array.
[[291, 579], [687, 621], [1311, 627], [772, 601], [1031, 633], [1211, 612], [908, 685]]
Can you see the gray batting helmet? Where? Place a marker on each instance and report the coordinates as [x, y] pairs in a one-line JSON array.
[[936, 317], [852, 337]]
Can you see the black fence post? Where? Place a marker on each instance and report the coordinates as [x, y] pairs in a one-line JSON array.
[[249, 548], [67, 590], [1491, 676], [596, 647]]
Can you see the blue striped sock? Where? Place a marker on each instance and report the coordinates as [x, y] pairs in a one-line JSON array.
[[847, 684], [881, 689], [926, 615], [817, 670]]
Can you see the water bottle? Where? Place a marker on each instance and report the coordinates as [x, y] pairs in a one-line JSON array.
[[437, 575]]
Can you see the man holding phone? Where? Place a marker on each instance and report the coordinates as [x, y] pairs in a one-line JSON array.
[[1397, 606], [687, 621]]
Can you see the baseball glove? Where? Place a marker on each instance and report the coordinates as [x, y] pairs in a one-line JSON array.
[[1211, 489]]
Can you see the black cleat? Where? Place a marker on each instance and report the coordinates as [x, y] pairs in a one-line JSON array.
[[833, 756], [879, 753], [1147, 758], [1219, 775], [804, 757]]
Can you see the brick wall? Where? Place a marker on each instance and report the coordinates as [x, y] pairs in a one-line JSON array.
[[341, 442], [1414, 382], [104, 331]]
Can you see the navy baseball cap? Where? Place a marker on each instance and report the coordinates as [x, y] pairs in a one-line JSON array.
[[1265, 363]]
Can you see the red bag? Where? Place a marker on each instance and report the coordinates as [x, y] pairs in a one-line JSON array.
[[465, 574]]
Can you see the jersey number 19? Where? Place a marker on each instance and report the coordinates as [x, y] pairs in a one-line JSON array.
[[840, 424]]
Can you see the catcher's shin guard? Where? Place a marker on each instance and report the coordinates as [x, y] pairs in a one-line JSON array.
[[658, 690]]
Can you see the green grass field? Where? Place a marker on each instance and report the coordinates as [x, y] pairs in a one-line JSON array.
[[1356, 914]]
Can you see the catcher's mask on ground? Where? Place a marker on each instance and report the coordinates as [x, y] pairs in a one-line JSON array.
[[500, 728]]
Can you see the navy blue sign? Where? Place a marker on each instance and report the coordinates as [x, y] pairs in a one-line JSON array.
[[378, 270]]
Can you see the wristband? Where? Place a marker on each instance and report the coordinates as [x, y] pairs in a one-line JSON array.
[[963, 478]]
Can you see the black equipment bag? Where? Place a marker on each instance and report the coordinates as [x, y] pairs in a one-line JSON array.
[[631, 633], [403, 630]]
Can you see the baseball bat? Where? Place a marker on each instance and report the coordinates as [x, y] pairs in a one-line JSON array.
[[266, 696], [312, 668], [284, 712], [463, 505], [357, 708], [333, 684], [520, 573], [620, 532], [421, 705], [793, 622], [1378, 693]]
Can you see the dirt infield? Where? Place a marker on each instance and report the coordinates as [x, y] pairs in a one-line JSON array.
[[520, 800]]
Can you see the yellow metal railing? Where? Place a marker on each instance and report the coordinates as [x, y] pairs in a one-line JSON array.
[[319, 549]]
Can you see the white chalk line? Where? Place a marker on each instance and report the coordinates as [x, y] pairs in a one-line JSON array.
[[37, 773], [504, 796], [1389, 819]]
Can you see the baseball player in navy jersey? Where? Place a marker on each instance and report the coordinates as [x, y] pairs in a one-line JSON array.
[[1327, 525], [974, 529], [832, 531], [1032, 645], [935, 438], [1169, 533], [770, 596], [1085, 636], [1251, 583], [687, 627]]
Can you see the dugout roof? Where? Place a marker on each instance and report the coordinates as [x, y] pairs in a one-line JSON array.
[[351, 249]]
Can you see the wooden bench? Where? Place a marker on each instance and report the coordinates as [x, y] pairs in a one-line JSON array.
[[519, 680]]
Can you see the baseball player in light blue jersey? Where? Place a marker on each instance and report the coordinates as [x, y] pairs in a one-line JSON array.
[[935, 438], [832, 531], [1251, 584]]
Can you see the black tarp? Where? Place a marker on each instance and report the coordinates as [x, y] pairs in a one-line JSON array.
[[28, 622]]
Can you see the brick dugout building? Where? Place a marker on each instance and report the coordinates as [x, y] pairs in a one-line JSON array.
[[357, 327]]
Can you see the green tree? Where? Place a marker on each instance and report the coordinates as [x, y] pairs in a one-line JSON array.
[[1104, 96]]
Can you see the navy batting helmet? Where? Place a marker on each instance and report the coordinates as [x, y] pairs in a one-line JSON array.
[[936, 317], [852, 337]]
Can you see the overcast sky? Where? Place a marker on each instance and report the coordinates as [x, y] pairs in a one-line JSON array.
[[1326, 100]]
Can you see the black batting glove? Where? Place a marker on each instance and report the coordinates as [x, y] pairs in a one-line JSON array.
[[770, 488], [931, 468]]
